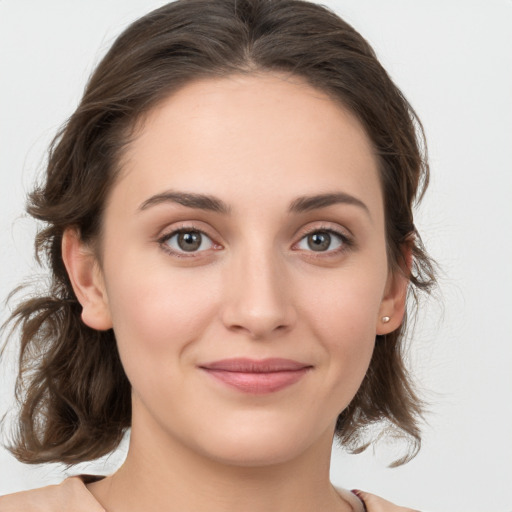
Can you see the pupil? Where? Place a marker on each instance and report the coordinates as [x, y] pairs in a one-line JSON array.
[[189, 241], [319, 241]]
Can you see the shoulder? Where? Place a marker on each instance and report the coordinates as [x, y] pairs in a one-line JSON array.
[[366, 502], [374, 503], [69, 496]]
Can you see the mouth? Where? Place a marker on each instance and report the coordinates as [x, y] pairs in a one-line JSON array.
[[256, 376]]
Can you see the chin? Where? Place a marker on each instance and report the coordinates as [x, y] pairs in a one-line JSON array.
[[261, 445]]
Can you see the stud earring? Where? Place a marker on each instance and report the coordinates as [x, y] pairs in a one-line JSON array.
[[385, 319]]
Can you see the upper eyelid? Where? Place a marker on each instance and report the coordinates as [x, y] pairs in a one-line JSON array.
[[345, 234], [167, 232], [324, 227], [301, 233]]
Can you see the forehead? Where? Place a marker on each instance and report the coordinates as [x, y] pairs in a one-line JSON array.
[[246, 136]]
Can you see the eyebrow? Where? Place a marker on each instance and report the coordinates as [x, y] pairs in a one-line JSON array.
[[211, 203], [308, 203], [192, 200]]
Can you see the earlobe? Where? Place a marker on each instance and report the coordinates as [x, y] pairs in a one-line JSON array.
[[87, 280], [392, 308]]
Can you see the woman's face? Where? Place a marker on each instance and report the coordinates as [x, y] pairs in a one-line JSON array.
[[244, 268]]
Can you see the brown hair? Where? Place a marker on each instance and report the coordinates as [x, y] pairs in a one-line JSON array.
[[75, 397]]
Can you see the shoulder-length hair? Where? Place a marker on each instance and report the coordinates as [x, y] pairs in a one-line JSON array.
[[74, 395]]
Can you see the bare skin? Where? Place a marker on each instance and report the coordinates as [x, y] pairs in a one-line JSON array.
[[73, 496], [69, 496], [255, 287]]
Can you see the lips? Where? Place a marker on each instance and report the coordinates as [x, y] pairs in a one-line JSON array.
[[256, 376]]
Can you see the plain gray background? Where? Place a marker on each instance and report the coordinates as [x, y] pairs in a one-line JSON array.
[[453, 61]]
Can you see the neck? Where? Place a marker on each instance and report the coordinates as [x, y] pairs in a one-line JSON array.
[[161, 474]]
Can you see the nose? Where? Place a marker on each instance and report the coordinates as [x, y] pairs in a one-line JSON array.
[[258, 296]]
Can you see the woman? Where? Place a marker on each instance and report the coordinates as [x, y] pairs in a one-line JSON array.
[[230, 235]]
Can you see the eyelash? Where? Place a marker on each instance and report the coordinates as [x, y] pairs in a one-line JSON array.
[[183, 229], [346, 242]]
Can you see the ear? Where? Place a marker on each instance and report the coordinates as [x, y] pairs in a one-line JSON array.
[[87, 280], [392, 307]]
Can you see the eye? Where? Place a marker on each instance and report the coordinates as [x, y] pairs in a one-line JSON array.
[[186, 240], [324, 240]]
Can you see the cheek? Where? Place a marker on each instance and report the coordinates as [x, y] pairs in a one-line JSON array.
[[345, 305], [343, 316], [156, 314]]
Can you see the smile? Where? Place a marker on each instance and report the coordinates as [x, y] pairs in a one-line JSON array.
[[257, 377]]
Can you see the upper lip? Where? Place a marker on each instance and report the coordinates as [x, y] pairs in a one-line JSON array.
[[246, 365]]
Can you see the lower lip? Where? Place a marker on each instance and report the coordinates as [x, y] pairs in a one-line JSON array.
[[258, 383]]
